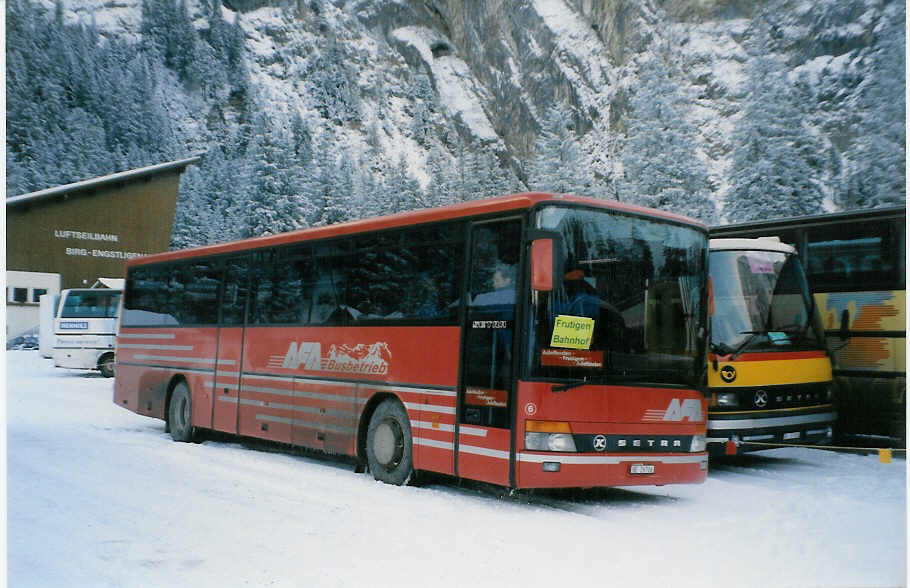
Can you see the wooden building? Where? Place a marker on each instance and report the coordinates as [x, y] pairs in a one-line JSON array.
[[87, 230]]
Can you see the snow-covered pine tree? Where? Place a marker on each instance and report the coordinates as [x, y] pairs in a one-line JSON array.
[[441, 189], [274, 183], [660, 159], [403, 190], [558, 164], [876, 174], [322, 190], [776, 164], [492, 178], [192, 216], [333, 85], [301, 140]]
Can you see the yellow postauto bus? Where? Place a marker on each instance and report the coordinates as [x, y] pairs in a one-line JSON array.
[[769, 374], [855, 262]]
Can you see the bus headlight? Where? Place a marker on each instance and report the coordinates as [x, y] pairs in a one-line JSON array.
[[549, 442], [549, 436], [725, 399], [699, 443]]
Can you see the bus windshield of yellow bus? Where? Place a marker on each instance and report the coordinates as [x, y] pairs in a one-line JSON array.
[[761, 303]]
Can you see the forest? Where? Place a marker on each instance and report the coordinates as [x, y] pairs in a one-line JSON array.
[[373, 135]]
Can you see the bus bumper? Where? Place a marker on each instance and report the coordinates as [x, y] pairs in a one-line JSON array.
[[555, 470], [79, 359], [726, 438]]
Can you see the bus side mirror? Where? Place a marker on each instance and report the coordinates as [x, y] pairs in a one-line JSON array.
[[542, 265], [844, 324]]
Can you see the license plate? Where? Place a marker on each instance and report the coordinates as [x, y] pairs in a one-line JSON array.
[[641, 468]]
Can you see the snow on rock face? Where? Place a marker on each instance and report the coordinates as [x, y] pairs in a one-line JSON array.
[[496, 68], [458, 91]]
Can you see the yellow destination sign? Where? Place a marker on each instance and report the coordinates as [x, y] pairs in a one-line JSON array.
[[573, 332]]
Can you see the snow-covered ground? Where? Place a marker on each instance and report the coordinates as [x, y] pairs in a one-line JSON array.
[[99, 496]]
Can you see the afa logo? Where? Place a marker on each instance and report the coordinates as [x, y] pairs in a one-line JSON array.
[[308, 355], [352, 359], [678, 411], [689, 409]]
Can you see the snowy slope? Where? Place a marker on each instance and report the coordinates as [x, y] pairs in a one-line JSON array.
[[99, 496]]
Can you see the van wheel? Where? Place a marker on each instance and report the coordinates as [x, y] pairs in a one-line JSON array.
[[180, 414], [106, 365], [389, 450]]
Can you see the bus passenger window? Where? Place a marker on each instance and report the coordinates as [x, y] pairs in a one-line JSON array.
[[331, 272], [236, 286], [201, 283], [844, 258]]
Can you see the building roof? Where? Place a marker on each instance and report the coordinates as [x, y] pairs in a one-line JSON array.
[[99, 182]]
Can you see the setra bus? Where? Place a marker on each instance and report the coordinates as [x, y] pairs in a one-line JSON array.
[[855, 262], [769, 374], [528, 341], [85, 328]]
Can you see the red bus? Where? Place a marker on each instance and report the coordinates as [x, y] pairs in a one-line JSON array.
[[528, 341]]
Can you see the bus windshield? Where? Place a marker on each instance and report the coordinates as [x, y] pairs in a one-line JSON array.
[[91, 304], [628, 305], [761, 302]]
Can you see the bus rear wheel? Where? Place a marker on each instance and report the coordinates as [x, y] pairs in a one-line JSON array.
[[180, 414], [106, 365], [389, 447]]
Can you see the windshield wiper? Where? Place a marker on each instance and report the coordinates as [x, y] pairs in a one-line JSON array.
[[742, 346], [572, 384], [617, 377], [799, 330], [604, 379]]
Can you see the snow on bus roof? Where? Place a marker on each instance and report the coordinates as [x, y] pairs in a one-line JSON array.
[[758, 244], [420, 216]]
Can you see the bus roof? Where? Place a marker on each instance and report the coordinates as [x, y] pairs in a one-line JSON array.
[[817, 219], [759, 244], [403, 219]]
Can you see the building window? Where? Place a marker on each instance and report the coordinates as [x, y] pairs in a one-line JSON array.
[[37, 293], [20, 295]]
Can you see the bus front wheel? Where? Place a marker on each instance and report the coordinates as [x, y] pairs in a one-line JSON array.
[[180, 413], [389, 450], [106, 365]]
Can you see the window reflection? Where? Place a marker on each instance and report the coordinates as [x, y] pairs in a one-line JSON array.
[[641, 282]]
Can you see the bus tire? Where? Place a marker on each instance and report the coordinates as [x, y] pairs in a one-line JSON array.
[[180, 414], [389, 446], [106, 365]]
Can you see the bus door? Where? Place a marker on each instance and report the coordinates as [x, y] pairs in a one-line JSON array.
[[485, 396], [230, 344]]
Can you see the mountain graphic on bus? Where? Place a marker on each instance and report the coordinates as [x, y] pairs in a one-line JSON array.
[[360, 358]]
